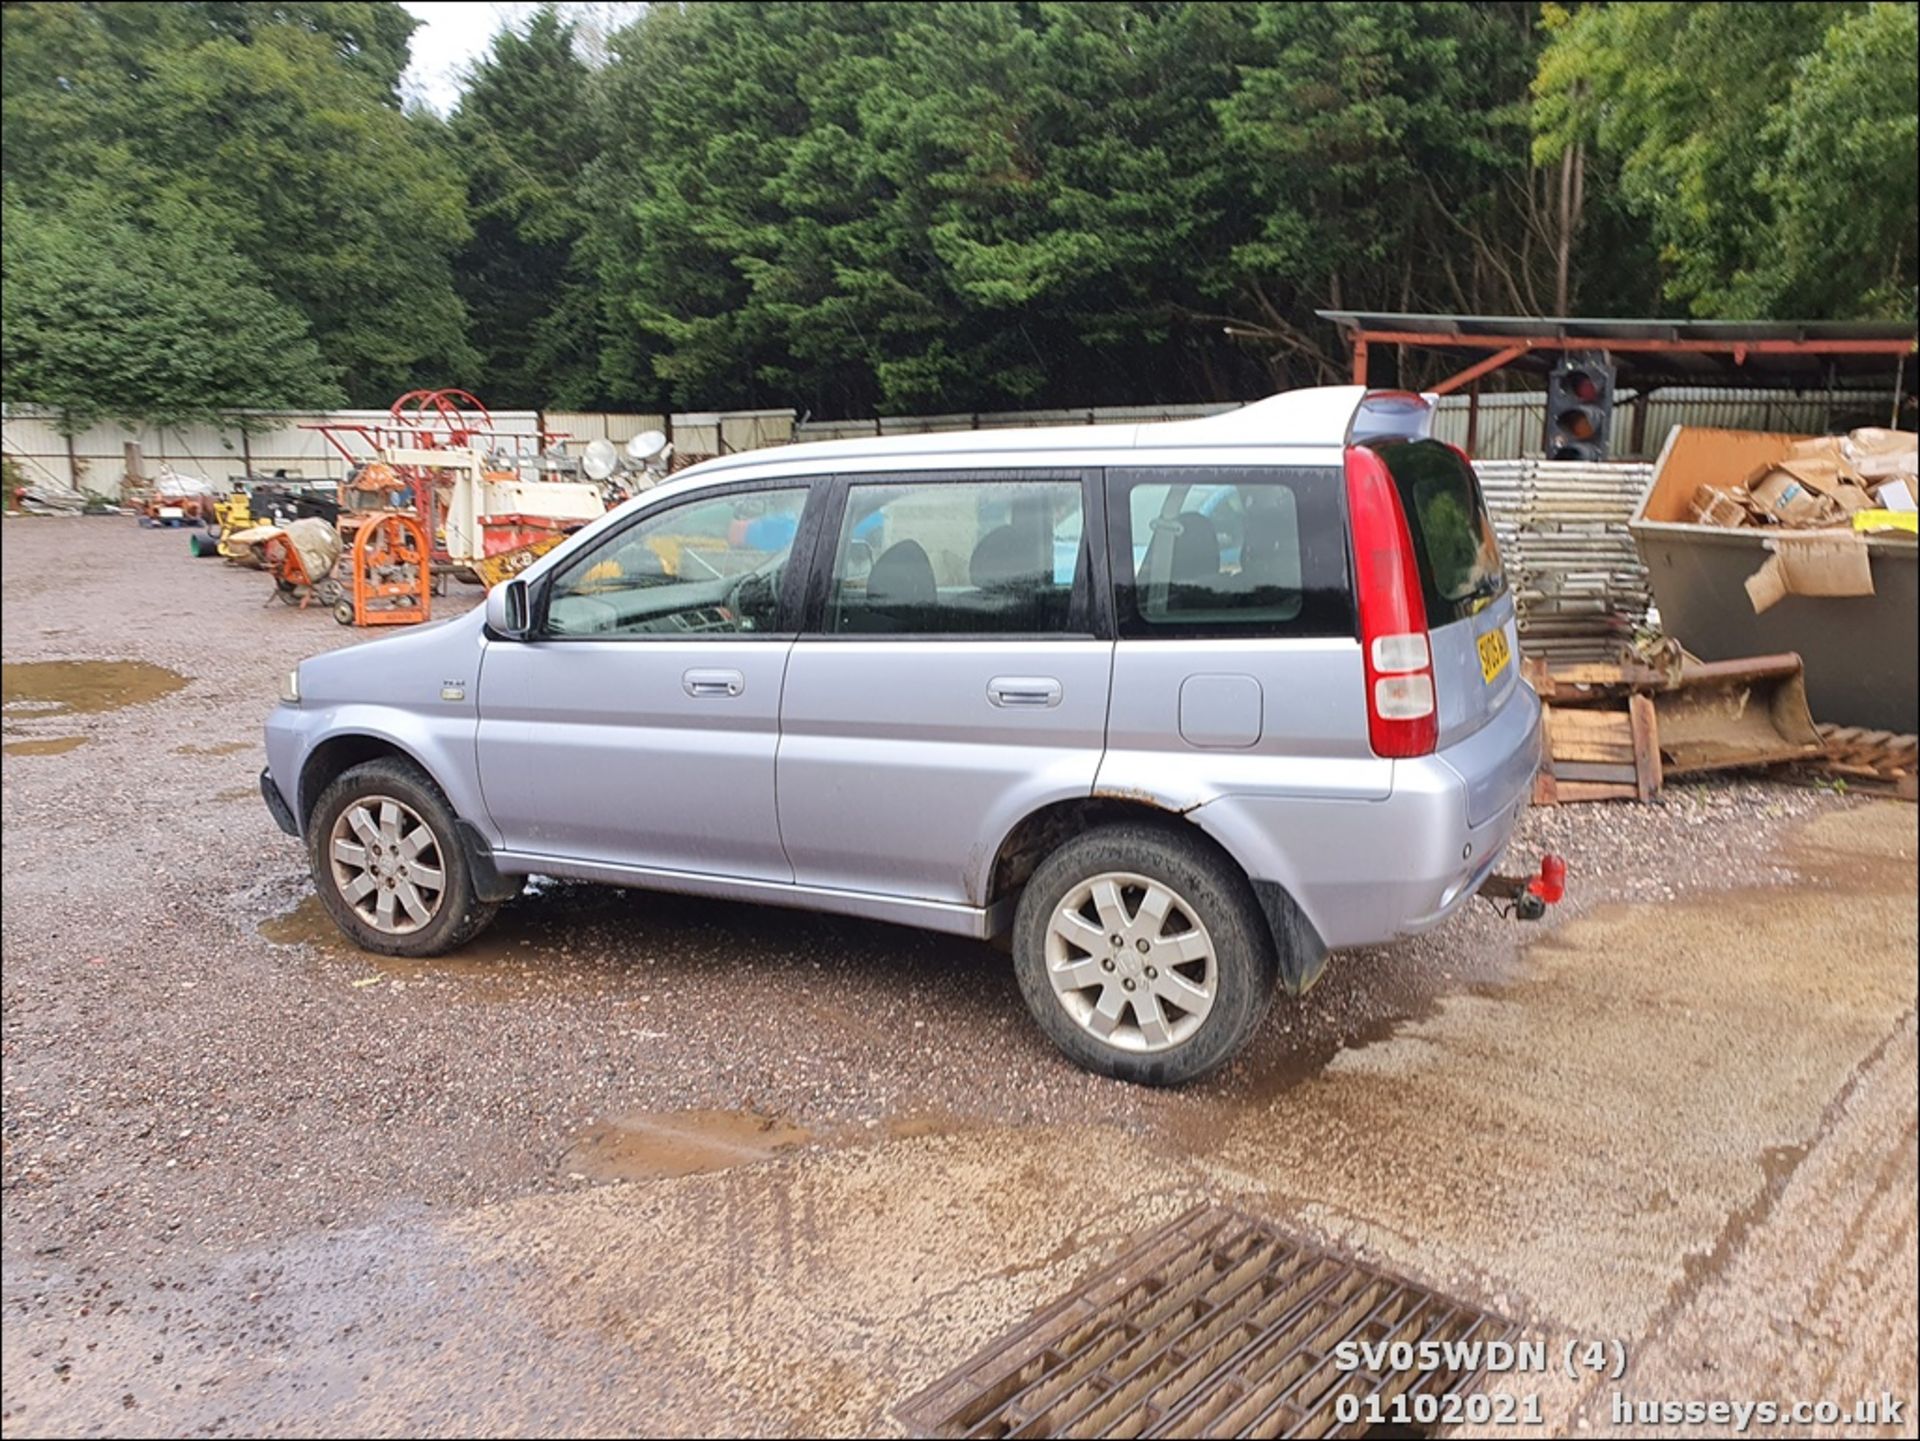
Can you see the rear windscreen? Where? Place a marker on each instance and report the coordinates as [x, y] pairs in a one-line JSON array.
[[1453, 541]]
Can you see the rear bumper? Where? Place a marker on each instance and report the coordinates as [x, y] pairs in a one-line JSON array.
[[1368, 872]]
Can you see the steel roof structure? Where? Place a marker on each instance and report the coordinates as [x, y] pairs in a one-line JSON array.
[[1647, 353]]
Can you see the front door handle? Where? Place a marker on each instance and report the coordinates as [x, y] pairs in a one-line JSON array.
[[1024, 690], [702, 684]]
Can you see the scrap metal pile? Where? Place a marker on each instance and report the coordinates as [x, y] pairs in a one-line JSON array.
[[1620, 731], [435, 490]]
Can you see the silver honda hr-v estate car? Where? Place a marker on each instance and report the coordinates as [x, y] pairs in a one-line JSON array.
[[1175, 709]]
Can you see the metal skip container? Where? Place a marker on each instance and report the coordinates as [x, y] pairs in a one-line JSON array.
[[1861, 653]]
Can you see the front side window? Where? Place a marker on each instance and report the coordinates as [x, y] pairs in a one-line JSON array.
[[957, 558], [708, 565], [1217, 551]]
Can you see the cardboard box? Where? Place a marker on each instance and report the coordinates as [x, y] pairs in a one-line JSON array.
[[1879, 454], [1715, 505], [1786, 499], [1811, 565]]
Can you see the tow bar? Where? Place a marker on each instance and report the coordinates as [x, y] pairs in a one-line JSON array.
[[1526, 898]]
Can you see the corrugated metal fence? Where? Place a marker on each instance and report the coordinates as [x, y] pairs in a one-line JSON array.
[[95, 459], [1507, 427]]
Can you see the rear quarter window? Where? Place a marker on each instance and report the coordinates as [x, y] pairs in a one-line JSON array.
[[1228, 551], [1453, 540]]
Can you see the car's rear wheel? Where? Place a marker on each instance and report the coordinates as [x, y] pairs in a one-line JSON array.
[[1142, 954], [387, 860]]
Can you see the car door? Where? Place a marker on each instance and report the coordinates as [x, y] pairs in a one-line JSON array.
[[638, 727], [950, 680]]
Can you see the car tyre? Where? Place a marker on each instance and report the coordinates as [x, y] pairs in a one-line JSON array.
[[1095, 918], [390, 888]]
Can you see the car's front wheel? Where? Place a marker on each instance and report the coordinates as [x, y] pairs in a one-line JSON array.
[[388, 863], [1143, 954]]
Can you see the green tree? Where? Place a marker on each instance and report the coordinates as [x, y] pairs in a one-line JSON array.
[[1386, 151], [1845, 187], [275, 127], [904, 206], [1769, 147], [525, 133], [103, 317]]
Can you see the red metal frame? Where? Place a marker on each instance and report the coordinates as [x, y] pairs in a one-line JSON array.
[[1509, 348], [445, 419]]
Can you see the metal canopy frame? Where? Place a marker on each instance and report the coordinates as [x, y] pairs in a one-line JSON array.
[[1871, 347]]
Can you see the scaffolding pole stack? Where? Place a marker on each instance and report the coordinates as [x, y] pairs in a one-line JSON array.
[[1577, 579]]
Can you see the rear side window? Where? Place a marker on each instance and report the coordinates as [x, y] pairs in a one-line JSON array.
[[1453, 542], [952, 557], [1200, 551]]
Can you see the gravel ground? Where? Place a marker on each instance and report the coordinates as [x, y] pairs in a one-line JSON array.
[[203, 1085]]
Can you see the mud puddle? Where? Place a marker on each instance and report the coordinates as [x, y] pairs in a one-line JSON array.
[[82, 687], [224, 748], [654, 1147], [680, 1143], [490, 955], [57, 746]]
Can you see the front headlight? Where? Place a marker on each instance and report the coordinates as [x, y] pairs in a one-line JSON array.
[[290, 687]]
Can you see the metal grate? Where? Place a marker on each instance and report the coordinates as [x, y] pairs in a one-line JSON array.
[[1215, 1325]]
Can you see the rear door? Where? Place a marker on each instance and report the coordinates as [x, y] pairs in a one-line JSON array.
[[1470, 611], [950, 679], [1236, 667]]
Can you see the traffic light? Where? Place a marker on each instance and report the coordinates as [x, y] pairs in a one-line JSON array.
[[1580, 407]]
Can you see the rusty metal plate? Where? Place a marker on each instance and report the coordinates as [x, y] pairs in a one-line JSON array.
[[1214, 1325]]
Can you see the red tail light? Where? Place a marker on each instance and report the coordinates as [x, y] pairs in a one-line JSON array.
[[1402, 713]]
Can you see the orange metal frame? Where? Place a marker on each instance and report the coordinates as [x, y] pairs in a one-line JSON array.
[[283, 563], [392, 541], [1508, 348]]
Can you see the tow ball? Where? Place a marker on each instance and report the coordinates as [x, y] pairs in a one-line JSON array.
[[1526, 898]]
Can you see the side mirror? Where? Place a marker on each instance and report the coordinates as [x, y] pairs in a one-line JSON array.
[[509, 610]]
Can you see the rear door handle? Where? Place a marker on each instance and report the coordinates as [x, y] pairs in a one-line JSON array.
[[1024, 690], [704, 683]]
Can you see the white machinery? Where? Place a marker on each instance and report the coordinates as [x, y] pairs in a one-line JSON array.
[[483, 512]]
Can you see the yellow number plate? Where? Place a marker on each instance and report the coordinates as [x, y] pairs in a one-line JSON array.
[[1494, 654]]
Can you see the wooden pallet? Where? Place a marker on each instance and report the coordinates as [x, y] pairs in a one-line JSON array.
[[1880, 762], [1598, 754], [1617, 731]]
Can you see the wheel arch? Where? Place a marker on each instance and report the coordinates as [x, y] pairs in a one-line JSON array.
[[1297, 944], [338, 754]]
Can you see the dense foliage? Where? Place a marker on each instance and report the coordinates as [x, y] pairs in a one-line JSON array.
[[898, 206]]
